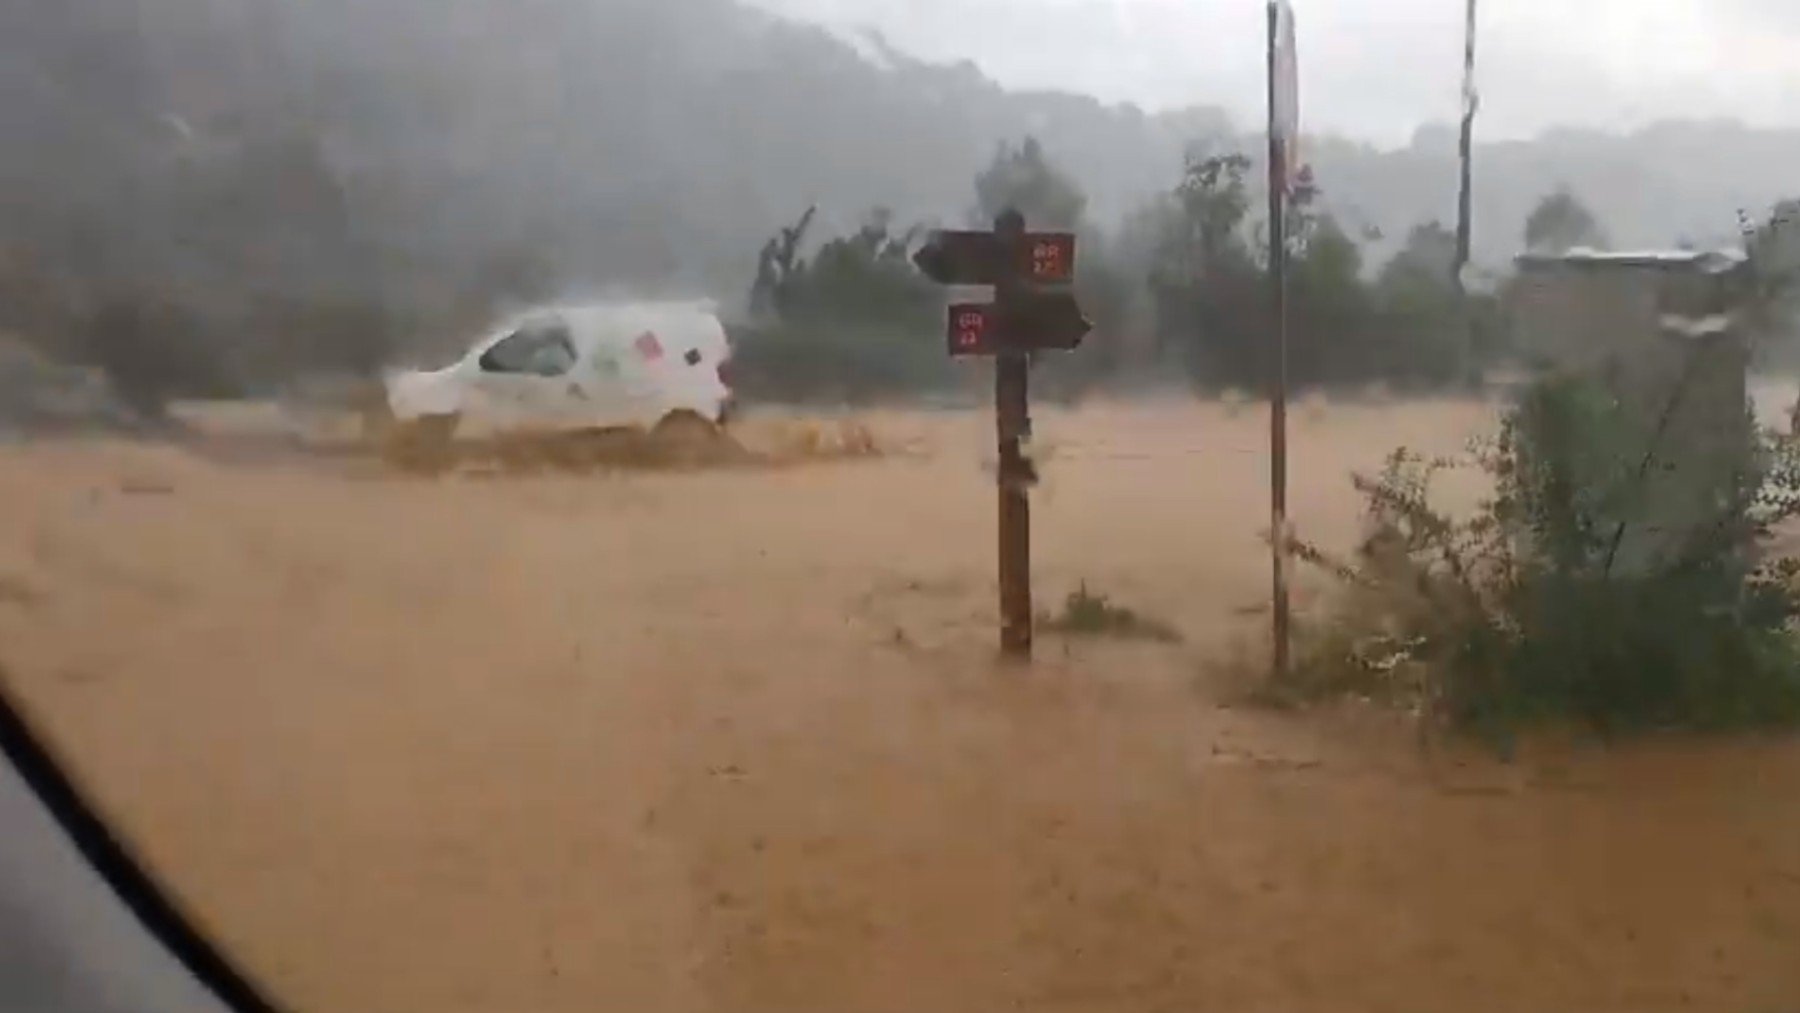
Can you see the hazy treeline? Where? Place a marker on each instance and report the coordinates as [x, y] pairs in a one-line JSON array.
[[1180, 294], [211, 195]]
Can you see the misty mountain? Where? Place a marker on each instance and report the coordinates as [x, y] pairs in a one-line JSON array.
[[415, 149]]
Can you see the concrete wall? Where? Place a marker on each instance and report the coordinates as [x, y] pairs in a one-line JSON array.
[[1686, 394]]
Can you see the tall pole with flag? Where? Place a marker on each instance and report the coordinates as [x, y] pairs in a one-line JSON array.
[[1284, 165], [1471, 101]]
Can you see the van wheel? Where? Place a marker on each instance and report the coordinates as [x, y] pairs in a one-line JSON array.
[[608, 447], [424, 445], [523, 452], [687, 438], [377, 419]]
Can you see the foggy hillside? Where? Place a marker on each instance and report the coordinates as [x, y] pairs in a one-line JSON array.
[[419, 149]]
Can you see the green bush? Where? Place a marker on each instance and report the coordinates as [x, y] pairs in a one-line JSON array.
[[1529, 611], [846, 362], [856, 322], [1089, 614]]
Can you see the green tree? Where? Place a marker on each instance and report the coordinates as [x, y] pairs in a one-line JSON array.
[[152, 351], [1214, 201], [1561, 222], [1303, 214], [1211, 291], [854, 322], [1331, 334], [1203, 279], [1425, 260], [1434, 333], [1023, 178]]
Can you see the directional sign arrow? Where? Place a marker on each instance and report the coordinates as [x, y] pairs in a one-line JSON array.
[[960, 258], [1037, 321]]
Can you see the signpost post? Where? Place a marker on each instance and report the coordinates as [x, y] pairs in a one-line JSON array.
[[1284, 166], [1033, 310]]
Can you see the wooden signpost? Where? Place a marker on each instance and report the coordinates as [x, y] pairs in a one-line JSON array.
[[1033, 311]]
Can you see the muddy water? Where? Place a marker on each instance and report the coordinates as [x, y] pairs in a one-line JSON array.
[[735, 741]]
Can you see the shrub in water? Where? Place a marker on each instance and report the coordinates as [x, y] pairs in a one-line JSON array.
[[1589, 586], [1090, 614]]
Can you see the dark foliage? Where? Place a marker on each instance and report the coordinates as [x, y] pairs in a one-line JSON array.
[[1409, 328], [854, 323], [1561, 222], [153, 351]]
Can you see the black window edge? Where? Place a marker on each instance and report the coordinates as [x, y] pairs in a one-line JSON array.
[[109, 856]]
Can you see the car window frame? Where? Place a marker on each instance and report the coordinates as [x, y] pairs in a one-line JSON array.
[[170, 938], [538, 334]]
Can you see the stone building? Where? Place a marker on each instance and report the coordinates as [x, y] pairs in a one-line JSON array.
[[1663, 334]]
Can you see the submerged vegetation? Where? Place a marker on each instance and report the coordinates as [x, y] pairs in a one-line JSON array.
[[1569, 593], [1088, 613]]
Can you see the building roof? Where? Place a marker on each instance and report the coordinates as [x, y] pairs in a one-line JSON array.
[[1699, 261]]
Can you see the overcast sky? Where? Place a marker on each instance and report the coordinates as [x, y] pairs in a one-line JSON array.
[[1374, 68]]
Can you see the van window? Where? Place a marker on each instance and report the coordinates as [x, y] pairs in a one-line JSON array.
[[534, 350]]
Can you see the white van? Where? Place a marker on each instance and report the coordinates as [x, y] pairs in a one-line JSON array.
[[585, 367], [594, 378]]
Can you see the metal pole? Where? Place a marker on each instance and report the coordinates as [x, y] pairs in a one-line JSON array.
[[1012, 416], [1466, 148], [1278, 380]]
